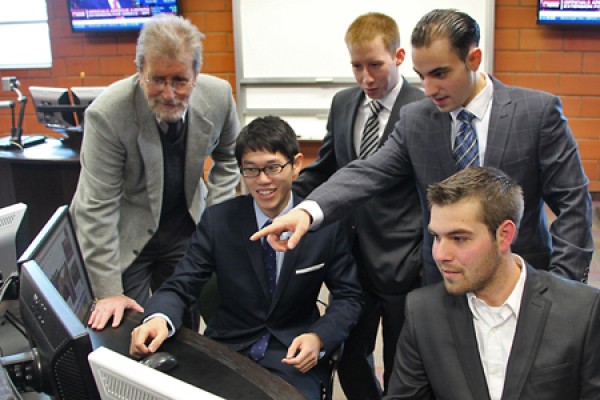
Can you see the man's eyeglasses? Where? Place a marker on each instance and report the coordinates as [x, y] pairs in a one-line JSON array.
[[158, 84], [269, 170]]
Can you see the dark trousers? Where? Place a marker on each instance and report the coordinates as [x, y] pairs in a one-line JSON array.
[[355, 370], [309, 384], [156, 264]]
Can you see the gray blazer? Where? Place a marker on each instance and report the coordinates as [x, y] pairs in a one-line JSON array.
[[554, 354], [116, 206], [388, 226], [528, 138]]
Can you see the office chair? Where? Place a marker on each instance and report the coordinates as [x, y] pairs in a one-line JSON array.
[[333, 362]]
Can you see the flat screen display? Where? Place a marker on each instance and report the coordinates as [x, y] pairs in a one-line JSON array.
[[56, 251], [569, 12], [116, 15]]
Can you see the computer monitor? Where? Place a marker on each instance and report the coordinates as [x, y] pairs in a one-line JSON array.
[[53, 108], [84, 96], [119, 377], [14, 238], [60, 342], [56, 251]]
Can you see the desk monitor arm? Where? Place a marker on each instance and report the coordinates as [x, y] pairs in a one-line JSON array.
[[11, 83]]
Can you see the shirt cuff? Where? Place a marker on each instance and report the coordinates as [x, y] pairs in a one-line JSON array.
[[315, 212], [163, 316]]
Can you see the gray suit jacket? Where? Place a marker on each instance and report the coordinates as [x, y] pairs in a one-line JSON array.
[[116, 206], [554, 354], [528, 138], [388, 226]]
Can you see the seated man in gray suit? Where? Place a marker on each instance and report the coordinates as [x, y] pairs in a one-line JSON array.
[[267, 308], [496, 328], [520, 131], [142, 190]]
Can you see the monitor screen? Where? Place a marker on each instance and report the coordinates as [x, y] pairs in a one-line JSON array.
[[53, 107], [60, 342], [14, 238], [116, 15], [120, 377], [84, 96], [568, 12], [56, 250]]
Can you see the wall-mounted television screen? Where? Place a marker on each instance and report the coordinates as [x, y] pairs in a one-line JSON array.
[[116, 15], [568, 12]]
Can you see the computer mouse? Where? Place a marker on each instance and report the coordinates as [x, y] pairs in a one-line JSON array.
[[161, 361]]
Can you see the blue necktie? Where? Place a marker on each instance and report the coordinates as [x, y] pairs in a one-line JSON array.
[[466, 149], [258, 349]]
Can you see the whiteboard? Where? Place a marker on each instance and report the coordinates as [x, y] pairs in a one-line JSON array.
[[303, 40]]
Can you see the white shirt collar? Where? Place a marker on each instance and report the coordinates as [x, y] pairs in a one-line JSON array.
[[261, 218], [389, 99], [480, 103], [513, 302]]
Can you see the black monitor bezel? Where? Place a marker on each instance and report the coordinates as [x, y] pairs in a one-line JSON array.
[[60, 341], [39, 243]]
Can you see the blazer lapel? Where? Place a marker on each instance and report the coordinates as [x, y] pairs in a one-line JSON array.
[[395, 112], [148, 140], [247, 226], [196, 149], [350, 120], [530, 327], [440, 141], [463, 333], [288, 268], [499, 129]]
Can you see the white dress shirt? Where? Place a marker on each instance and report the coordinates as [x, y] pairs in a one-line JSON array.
[[495, 330]]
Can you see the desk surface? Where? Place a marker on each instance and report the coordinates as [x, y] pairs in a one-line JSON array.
[[207, 364], [202, 362], [52, 150]]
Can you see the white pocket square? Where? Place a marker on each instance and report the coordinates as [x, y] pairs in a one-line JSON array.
[[309, 269]]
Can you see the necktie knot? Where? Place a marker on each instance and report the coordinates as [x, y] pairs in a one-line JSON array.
[[375, 106], [465, 116]]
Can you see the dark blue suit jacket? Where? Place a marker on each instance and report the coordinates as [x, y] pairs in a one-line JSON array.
[[221, 245], [528, 138]]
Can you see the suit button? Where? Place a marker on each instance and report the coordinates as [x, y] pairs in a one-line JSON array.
[[136, 253], [150, 232]]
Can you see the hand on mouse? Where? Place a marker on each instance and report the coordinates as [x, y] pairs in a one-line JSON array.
[[155, 330]]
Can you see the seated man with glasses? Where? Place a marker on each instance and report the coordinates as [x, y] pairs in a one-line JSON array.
[[142, 189], [267, 307]]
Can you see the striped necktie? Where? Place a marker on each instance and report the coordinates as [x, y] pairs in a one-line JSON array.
[[370, 136], [466, 149]]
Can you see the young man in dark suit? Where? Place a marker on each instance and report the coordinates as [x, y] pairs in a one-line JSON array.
[[387, 229], [271, 317], [520, 131], [496, 328]]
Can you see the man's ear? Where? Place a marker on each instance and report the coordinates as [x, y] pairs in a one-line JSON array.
[[297, 165], [505, 235], [400, 54], [474, 58]]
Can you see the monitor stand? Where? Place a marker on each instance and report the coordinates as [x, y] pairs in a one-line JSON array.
[[26, 141]]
